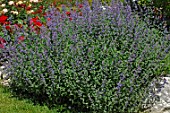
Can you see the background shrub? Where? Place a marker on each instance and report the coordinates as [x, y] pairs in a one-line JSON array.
[[102, 61], [164, 4], [161, 10]]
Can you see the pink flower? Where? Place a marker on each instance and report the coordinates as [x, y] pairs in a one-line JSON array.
[[48, 19], [2, 42]]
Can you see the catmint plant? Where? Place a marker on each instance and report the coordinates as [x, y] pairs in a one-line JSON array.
[[99, 61]]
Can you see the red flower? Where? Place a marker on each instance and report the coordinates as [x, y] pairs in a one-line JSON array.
[[8, 27], [35, 22], [38, 24], [2, 42], [41, 7], [21, 38], [3, 18], [39, 11], [22, 5], [70, 18], [34, 13], [28, 8], [1, 46], [44, 14], [80, 5], [68, 13]]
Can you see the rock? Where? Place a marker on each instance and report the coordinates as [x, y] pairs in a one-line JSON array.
[[162, 104], [5, 82], [2, 72], [3, 75]]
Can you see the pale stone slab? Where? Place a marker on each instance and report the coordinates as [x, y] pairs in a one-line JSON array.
[[163, 105]]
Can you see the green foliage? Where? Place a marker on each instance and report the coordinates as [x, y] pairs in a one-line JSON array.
[[102, 61], [167, 64], [144, 2]]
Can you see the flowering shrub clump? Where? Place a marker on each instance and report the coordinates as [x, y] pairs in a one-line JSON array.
[[95, 60]]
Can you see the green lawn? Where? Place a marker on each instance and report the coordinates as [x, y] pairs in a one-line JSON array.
[[9, 104]]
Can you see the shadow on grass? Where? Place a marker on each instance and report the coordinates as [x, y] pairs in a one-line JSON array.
[[10, 103], [22, 100]]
